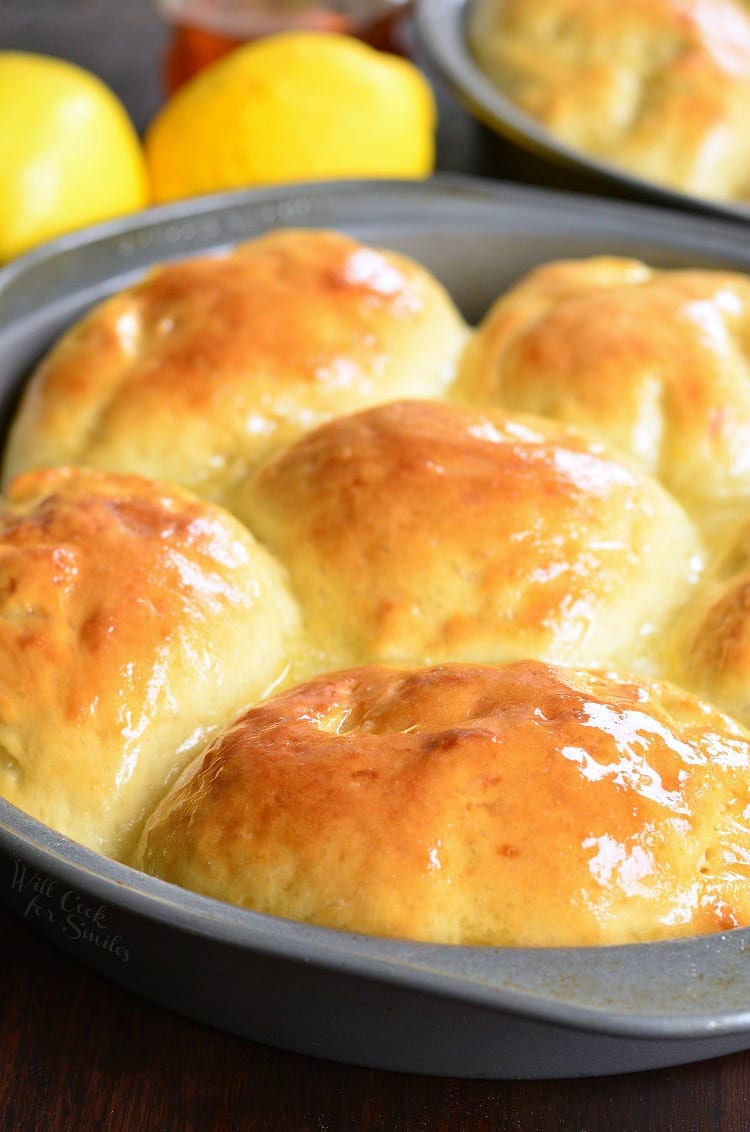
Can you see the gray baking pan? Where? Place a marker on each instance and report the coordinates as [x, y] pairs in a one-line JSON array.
[[538, 154], [481, 1012]]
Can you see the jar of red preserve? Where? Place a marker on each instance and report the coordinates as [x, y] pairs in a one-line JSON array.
[[204, 30]]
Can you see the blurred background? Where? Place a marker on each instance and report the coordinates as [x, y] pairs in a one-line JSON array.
[[123, 43], [126, 45]]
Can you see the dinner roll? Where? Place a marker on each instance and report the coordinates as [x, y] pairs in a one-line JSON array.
[[206, 364], [712, 641], [523, 805], [655, 362], [134, 620], [660, 88], [424, 531]]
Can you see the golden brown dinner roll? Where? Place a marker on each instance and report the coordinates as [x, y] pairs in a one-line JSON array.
[[424, 531], [658, 87], [518, 805], [712, 638], [198, 370], [654, 362], [134, 619]]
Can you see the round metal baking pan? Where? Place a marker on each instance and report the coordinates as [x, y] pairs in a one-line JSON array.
[[528, 147], [481, 1012]]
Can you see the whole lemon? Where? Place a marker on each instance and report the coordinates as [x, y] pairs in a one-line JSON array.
[[69, 154], [291, 107]]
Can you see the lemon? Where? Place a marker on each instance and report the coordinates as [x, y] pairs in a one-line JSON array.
[[291, 107], [69, 154]]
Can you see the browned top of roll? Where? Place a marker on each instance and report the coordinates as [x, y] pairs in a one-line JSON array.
[[126, 607], [507, 805], [195, 372], [423, 531], [654, 362]]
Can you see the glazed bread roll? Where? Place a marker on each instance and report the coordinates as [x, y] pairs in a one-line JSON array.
[[653, 362], [424, 532], [660, 88], [523, 805], [134, 620], [200, 369], [712, 642]]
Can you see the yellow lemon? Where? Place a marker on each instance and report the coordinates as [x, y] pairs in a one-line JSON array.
[[290, 107], [69, 154]]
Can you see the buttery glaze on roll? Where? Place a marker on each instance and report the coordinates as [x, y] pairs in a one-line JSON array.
[[523, 805], [658, 87], [194, 373], [422, 531], [134, 620], [654, 362]]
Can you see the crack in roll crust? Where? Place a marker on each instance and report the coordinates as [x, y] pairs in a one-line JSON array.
[[196, 372], [660, 88], [423, 531], [518, 805], [128, 612], [654, 362]]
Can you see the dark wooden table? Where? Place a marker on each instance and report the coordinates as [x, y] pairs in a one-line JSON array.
[[79, 1053]]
